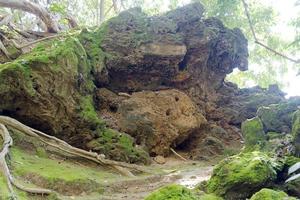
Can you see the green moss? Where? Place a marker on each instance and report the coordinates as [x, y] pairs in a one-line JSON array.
[[41, 152], [87, 111], [253, 132], [92, 40], [209, 197], [172, 192], [291, 160], [240, 175], [296, 131], [268, 194], [4, 192], [274, 135], [118, 146], [15, 78], [24, 163]]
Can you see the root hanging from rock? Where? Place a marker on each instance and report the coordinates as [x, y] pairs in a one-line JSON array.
[[7, 143], [67, 149]]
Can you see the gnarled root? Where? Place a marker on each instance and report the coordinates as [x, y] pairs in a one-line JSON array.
[[122, 167], [7, 143]]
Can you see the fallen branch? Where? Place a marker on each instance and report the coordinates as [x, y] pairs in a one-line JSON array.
[[68, 149], [179, 156], [7, 143], [262, 44]]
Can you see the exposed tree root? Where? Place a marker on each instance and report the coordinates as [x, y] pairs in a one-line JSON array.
[[176, 154], [70, 150], [7, 143]]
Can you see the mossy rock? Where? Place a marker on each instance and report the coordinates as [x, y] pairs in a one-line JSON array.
[[268, 194], [278, 117], [119, 146], [296, 132], [173, 192], [253, 132], [240, 176]]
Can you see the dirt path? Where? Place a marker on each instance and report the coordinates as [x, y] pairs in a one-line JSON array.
[[187, 173]]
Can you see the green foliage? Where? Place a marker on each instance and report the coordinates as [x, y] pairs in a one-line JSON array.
[[268, 194], [172, 192], [58, 8], [238, 176]]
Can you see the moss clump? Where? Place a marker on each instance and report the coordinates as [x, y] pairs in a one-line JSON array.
[[268, 194], [296, 131], [88, 113], [253, 132], [118, 146], [241, 175], [173, 192], [92, 40], [41, 152]]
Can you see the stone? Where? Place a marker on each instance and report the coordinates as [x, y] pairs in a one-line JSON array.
[[240, 176], [253, 132], [296, 132], [159, 120], [159, 160], [269, 194], [278, 117]]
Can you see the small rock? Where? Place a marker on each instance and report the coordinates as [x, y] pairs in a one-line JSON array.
[[160, 159]]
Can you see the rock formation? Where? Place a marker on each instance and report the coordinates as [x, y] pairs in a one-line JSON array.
[[159, 79]]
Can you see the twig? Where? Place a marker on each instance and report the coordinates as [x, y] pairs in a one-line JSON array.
[[262, 44], [176, 154]]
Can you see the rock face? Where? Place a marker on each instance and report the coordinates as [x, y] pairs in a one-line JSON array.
[[70, 87], [159, 119]]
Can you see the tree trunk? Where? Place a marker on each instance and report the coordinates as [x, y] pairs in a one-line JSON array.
[[102, 16], [33, 8]]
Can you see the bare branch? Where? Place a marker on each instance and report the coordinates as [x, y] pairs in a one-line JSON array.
[[262, 44], [33, 8]]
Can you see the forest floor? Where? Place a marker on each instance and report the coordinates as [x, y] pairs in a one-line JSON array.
[[34, 166]]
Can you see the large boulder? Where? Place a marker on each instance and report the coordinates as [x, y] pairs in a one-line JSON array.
[[159, 120], [178, 192], [268, 194], [51, 89], [278, 117], [240, 176]]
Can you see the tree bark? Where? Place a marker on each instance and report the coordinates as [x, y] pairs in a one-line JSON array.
[[101, 9], [32, 8]]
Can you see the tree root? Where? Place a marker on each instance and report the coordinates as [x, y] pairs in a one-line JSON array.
[[122, 167], [7, 143], [176, 154]]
